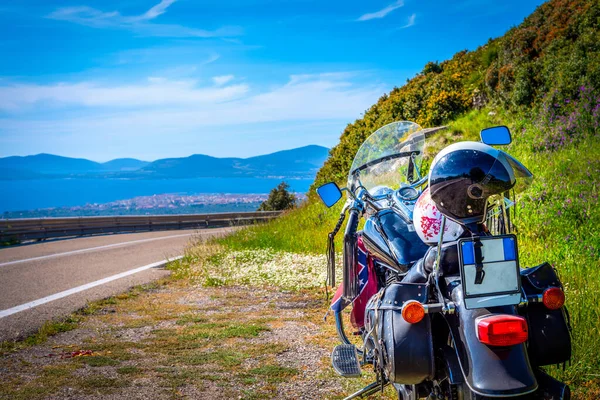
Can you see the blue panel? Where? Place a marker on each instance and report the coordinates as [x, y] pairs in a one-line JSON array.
[[468, 253], [509, 249]]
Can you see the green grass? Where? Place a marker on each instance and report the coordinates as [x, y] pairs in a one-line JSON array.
[[100, 384], [49, 328], [271, 373], [223, 357], [129, 370], [219, 330], [302, 230], [99, 361]]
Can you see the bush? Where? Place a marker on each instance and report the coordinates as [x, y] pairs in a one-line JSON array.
[[279, 199]]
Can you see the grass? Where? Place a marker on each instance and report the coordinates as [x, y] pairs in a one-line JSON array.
[[100, 384], [214, 330], [302, 230], [223, 357], [48, 329], [272, 373], [129, 370], [99, 361]]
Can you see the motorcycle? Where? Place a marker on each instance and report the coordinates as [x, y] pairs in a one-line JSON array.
[[439, 301]]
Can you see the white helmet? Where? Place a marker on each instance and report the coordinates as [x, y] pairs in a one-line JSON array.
[[427, 220]]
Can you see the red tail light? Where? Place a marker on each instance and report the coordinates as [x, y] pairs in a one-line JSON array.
[[502, 330], [553, 298]]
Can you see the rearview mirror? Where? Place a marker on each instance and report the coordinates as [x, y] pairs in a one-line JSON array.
[[496, 135], [329, 193]]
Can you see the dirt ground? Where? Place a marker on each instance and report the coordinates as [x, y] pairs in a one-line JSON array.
[[174, 340]]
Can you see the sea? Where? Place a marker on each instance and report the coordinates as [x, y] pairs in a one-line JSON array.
[[21, 195]]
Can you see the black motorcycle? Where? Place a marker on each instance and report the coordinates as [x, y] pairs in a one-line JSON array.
[[439, 301]]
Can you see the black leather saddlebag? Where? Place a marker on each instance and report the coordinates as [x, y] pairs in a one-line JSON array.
[[407, 349], [549, 331]]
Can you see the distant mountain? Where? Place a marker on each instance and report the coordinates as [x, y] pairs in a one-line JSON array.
[[124, 164], [44, 165], [301, 162], [295, 160], [197, 165], [49, 164]]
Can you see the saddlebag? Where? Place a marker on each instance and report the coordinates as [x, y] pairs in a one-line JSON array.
[[549, 330], [406, 350]]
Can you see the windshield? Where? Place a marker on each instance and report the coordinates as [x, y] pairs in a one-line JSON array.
[[390, 157]]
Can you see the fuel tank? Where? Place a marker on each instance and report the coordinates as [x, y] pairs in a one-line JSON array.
[[389, 238]]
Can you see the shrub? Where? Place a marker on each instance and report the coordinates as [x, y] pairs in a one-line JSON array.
[[279, 199]]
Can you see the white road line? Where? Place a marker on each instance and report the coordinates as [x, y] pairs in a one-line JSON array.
[[108, 246], [60, 295]]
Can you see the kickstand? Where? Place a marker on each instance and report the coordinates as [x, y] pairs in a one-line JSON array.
[[368, 390]]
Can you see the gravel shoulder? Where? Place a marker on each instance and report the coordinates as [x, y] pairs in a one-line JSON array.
[[175, 339]]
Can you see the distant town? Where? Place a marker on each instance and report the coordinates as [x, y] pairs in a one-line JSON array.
[[156, 204]]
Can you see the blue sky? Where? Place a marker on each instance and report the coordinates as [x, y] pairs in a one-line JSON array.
[[153, 79]]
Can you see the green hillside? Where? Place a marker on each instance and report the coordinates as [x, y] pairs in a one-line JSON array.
[[541, 79], [548, 57]]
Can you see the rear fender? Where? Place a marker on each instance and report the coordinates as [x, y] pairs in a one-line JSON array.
[[488, 371]]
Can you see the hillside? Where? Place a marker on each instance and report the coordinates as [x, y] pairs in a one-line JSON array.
[[124, 164], [50, 164], [546, 59], [39, 165]]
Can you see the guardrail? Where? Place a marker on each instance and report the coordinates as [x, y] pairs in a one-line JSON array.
[[48, 228]]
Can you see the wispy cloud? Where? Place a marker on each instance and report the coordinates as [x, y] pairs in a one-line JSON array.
[[158, 9], [223, 79], [141, 24], [381, 13], [411, 21], [160, 104], [157, 91]]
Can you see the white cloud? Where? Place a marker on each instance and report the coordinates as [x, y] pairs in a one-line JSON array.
[[411, 22], [223, 79], [158, 91], [165, 107], [140, 24], [381, 13], [158, 9]]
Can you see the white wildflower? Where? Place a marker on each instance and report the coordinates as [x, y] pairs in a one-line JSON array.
[[269, 267]]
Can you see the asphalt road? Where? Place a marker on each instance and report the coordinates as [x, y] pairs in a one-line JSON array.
[[42, 281]]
